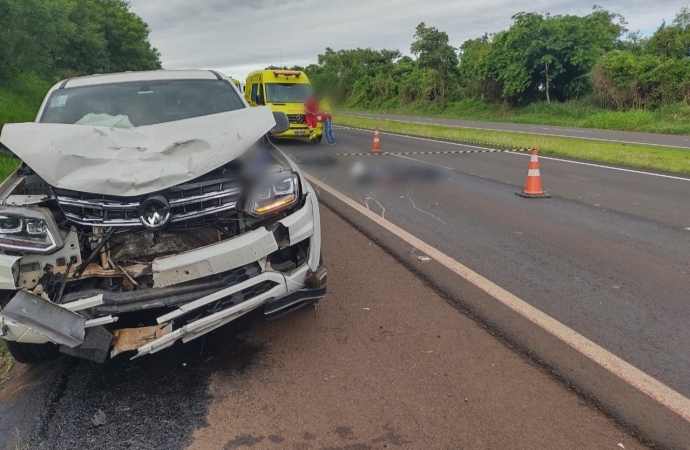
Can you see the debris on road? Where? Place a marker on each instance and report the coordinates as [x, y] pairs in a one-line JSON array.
[[99, 419], [394, 172], [424, 258], [134, 338]]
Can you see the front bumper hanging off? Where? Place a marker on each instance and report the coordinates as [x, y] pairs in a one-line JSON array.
[[242, 281]]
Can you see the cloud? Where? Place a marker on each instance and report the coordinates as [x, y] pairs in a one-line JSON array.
[[237, 36]]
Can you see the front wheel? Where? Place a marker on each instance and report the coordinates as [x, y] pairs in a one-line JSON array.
[[32, 353]]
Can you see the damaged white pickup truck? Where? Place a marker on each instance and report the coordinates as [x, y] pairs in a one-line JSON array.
[[150, 208]]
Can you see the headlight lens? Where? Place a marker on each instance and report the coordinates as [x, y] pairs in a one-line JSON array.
[[28, 230], [273, 195]]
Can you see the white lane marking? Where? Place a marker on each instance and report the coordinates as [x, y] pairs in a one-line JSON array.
[[620, 169], [600, 166], [521, 132], [650, 386], [564, 129]]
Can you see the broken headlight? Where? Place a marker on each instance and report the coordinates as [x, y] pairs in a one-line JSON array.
[[272, 195], [28, 230]]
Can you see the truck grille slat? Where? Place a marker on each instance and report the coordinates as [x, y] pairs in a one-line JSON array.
[[197, 202]]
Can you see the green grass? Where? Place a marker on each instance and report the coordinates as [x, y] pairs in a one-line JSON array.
[[8, 164], [671, 119], [6, 360], [642, 156]]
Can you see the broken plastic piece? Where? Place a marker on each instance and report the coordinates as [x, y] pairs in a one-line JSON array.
[[95, 347], [99, 419], [130, 339], [55, 323], [85, 303]]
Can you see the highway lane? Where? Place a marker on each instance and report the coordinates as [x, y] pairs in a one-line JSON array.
[[651, 195], [382, 362], [664, 140], [607, 255]]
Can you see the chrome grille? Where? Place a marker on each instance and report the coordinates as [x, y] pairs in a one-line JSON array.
[[195, 202], [297, 118]]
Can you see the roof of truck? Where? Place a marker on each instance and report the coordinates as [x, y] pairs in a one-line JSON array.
[[294, 76]]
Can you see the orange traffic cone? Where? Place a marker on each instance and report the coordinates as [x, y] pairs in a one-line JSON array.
[[533, 187], [376, 147]]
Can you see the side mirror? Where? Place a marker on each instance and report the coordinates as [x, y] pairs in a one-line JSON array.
[[282, 123], [260, 100]]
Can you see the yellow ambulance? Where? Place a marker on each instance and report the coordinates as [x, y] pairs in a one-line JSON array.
[[283, 91], [237, 83]]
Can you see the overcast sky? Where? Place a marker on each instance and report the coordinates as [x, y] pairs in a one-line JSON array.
[[238, 36]]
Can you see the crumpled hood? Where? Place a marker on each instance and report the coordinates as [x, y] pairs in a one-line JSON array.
[[137, 161]]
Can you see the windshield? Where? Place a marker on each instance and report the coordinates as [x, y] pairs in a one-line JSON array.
[[287, 92], [134, 104]]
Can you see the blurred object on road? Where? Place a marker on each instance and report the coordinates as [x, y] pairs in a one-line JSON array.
[[390, 170]]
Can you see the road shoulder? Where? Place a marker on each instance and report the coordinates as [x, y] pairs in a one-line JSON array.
[[384, 361]]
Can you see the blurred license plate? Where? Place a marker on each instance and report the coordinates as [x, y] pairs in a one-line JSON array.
[[300, 132]]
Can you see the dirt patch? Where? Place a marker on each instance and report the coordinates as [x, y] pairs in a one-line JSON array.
[[23, 391], [19, 379]]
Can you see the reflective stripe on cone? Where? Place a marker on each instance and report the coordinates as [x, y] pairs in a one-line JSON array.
[[533, 187], [376, 146]]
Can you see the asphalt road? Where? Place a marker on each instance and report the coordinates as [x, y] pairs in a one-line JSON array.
[[382, 362], [607, 256], [579, 133]]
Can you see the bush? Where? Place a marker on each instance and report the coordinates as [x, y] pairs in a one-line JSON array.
[[21, 98]]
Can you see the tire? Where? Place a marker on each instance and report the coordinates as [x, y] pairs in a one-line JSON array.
[[32, 353]]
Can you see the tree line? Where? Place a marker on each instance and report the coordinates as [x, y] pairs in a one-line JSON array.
[[55, 39], [540, 58]]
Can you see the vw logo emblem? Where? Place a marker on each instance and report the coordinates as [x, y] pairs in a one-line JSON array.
[[154, 212]]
